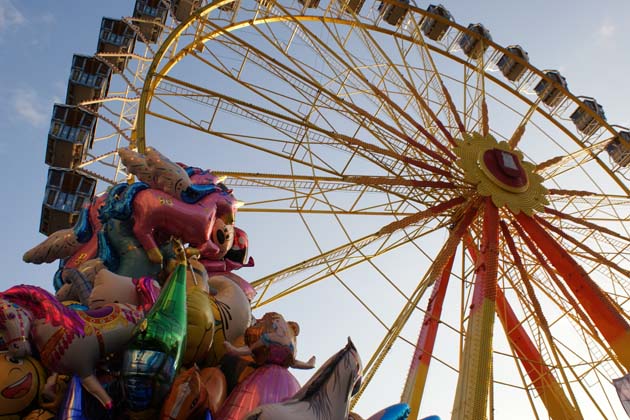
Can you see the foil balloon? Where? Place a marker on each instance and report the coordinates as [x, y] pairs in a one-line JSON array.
[[156, 349], [73, 248], [67, 341], [325, 396], [156, 170], [237, 368], [123, 252], [39, 414], [271, 341], [177, 205], [167, 176], [232, 313], [113, 288], [247, 288], [196, 276], [395, 412], [118, 246], [193, 223], [240, 247], [72, 407], [78, 282], [79, 241], [54, 392], [195, 393], [200, 326], [21, 385]]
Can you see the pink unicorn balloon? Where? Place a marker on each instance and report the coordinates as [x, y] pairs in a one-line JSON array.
[[68, 342]]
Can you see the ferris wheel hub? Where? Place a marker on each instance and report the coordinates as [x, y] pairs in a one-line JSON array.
[[504, 168], [501, 173]]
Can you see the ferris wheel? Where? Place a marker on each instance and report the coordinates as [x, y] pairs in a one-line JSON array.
[[412, 177]]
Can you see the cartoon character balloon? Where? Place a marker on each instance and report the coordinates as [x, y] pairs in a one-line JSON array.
[[200, 326], [232, 313], [271, 341], [21, 385], [325, 396]]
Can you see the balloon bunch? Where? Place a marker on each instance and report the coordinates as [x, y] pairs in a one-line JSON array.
[[142, 326]]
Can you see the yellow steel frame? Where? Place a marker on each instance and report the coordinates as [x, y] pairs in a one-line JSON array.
[[331, 263]]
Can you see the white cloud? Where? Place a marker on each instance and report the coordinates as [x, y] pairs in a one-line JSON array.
[[9, 15], [29, 107], [607, 30]]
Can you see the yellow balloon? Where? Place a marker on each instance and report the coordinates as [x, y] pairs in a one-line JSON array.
[[200, 330], [39, 414], [21, 382]]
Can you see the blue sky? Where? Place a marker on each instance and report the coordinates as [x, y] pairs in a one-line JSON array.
[[586, 41]]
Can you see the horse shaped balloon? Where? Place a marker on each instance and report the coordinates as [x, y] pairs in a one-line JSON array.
[[195, 392], [326, 396], [127, 228], [67, 341]]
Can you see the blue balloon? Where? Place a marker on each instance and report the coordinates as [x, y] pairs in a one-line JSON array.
[[119, 201], [58, 279], [196, 192], [396, 412], [147, 376], [82, 228], [431, 418], [72, 407], [106, 253]]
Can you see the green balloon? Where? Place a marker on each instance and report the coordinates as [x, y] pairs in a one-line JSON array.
[[164, 328], [156, 350]]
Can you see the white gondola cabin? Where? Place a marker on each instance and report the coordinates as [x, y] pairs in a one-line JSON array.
[[116, 37], [394, 12], [71, 133], [619, 149], [66, 192], [150, 17], [89, 80], [509, 66], [433, 28], [473, 44], [549, 92], [182, 9], [584, 121]]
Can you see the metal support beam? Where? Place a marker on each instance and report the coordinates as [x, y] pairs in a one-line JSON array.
[[596, 303], [471, 397]]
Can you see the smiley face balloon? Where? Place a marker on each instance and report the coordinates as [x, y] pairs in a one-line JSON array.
[[21, 383]]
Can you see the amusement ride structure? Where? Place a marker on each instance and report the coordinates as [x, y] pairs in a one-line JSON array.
[[473, 210]]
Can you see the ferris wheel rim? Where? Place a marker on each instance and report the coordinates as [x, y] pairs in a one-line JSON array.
[[154, 76]]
